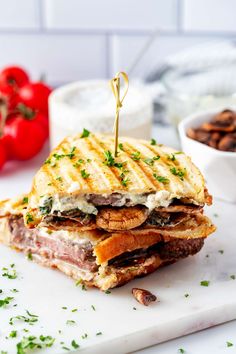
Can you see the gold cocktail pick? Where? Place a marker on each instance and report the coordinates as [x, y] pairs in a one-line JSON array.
[[115, 86]]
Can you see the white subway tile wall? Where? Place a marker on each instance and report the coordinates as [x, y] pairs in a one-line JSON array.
[[82, 39]]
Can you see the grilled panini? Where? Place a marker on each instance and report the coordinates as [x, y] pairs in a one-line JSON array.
[[107, 220]]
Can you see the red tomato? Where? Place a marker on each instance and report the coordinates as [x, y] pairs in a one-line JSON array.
[[14, 76], [3, 155], [35, 95], [9, 96], [27, 136]]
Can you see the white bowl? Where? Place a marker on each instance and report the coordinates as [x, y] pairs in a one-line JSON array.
[[91, 105], [218, 167]]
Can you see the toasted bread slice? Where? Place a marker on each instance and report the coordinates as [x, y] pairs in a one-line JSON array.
[[79, 167]]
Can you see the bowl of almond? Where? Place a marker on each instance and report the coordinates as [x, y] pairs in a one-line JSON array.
[[209, 138]]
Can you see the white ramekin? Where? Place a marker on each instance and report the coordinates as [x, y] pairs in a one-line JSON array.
[[218, 167], [67, 118]]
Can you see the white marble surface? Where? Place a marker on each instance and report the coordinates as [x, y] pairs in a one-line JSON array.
[[44, 292]]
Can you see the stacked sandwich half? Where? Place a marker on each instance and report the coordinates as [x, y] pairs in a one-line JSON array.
[[105, 219]]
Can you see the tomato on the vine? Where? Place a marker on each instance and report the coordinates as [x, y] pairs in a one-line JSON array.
[[14, 76], [35, 95], [27, 136], [3, 155], [9, 96]]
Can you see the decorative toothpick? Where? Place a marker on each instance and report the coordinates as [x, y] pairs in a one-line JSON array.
[[115, 86]]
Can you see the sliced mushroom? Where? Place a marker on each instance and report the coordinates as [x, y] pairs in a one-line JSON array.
[[228, 143], [121, 218], [199, 135], [222, 122]]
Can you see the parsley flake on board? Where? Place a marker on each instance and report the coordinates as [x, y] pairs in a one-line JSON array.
[[161, 179], [221, 251], [70, 322], [178, 172], [13, 334], [31, 319], [98, 333], [6, 301], [186, 295], [84, 336], [229, 344], [14, 290], [29, 256], [74, 344], [181, 350], [205, 283], [85, 133], [153, 142], [32, 342], [233, 276], [9, 273]]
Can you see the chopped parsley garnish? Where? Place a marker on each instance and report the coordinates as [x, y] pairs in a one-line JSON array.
[[78, 163], [84, 174], [32, 342], [6, 301], [29, 218], [85, 335], [161, 179], [64, 308], [134, 308], [150, 161], [71, 153], [85, 133], [107, 292], [74, 310], [9, 273], [121, 147], [205, 283], [48, 161], [221, 251], [46, 207], [78, 282], [93, 307], [70, 322], [229, 344], [89, 160], [59, 178], [14, 290], [181, 350], [74, 344], [58, 156], [153, 142], [124, 180], [109, 159], [65, 348], [186, 295], [136, 156], [13, 334], [98, 333], [25, 200], [178, 172], [31, 319], [171, 157], [233, 276], [84, 287]]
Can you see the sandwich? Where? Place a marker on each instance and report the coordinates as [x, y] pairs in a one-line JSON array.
[[105, 220]]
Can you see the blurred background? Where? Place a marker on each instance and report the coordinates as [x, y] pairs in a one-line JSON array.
[[77, 39]]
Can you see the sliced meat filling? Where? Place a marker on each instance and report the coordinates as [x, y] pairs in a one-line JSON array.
[[31, 241], [81, 253]]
